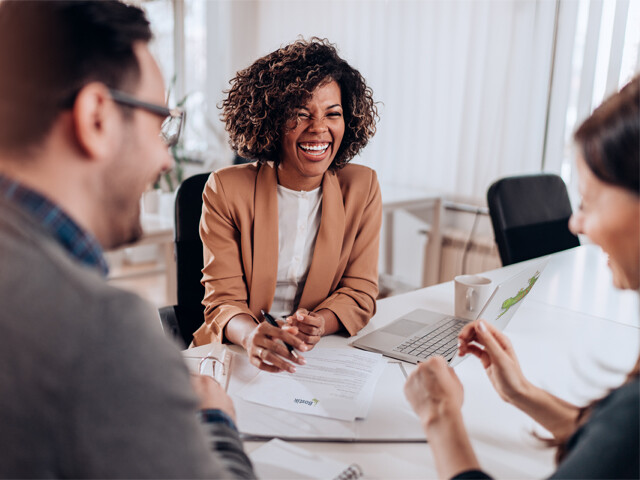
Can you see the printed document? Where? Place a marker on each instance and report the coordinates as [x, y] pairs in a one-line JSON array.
[[335, 383], [390, 417], [284, 461]]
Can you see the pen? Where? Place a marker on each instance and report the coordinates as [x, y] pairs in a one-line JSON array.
[[273, 322]]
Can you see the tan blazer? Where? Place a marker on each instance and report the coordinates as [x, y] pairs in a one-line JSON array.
[[239, 230]]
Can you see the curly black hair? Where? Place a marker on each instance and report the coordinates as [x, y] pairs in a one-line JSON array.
[[264, 97]]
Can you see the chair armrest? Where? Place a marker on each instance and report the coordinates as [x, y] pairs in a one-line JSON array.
[[170, 325]]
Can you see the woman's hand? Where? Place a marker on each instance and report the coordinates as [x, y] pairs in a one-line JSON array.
[[499, 359], [266, 350], [434, 391], [312, 326], [501, 364]]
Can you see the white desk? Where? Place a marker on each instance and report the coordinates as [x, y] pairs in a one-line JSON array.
[[159, 229], [580, 280], [575, 335]]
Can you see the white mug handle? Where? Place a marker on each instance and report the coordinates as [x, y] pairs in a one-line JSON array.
[[469, 297]]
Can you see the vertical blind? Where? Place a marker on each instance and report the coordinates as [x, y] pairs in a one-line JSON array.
[[460, 83], [469, 90]]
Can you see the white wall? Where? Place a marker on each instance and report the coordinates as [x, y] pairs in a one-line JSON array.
[[462, 84]]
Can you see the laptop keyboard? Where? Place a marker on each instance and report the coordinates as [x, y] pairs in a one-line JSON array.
[[442, 340]]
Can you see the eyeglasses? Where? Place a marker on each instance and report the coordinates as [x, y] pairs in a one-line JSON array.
[[175, 117]]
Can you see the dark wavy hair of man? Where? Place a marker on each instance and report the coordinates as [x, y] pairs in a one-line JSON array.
[[264, 98], [49, 50]]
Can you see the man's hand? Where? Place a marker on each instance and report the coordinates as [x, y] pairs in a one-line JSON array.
[[212, 395]]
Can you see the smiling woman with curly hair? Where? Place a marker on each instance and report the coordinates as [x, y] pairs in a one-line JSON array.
[[266, 96], [297, 231]]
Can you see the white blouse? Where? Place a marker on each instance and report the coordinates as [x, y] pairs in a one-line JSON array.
[[298, 223]]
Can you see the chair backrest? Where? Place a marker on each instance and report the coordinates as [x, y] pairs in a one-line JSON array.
[[530, 216], [188, 247]]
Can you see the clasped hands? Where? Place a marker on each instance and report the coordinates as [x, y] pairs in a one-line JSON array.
[[265, 343]]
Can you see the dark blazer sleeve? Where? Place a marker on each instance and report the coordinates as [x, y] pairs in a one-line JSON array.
[[607, 445], [354, 300]]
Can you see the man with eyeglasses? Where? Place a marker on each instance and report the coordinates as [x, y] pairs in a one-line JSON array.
[[91, 387]]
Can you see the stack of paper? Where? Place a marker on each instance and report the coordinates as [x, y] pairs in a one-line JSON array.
[[282, 460], [335, 383]]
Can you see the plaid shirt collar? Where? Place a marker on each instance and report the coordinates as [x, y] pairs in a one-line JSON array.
[[79, 243]]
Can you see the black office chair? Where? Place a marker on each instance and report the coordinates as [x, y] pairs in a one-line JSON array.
[[530, 216], [183, 319]]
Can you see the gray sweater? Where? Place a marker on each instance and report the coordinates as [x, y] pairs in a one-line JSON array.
[[89, 384]]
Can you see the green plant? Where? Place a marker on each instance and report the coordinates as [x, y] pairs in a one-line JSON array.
[[170, 180]]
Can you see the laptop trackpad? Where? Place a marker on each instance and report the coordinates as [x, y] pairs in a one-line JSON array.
[[403, 327]]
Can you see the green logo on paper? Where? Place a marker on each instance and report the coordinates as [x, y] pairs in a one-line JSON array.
[[312, 403]]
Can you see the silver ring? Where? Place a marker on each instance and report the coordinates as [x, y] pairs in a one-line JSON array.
[[259, 352]]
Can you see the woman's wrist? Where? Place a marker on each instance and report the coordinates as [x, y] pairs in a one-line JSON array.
[[556, 415], [523, 395], [449, 440], [244, 340], [440, 417], [331, 322], [239, 328]]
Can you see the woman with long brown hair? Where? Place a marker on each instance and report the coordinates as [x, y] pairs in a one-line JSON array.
[[600, 440]]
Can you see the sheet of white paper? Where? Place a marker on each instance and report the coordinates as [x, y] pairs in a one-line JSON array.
[[282, 460], [335, 383], [390, 417]]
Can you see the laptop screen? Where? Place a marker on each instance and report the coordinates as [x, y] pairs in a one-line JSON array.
[[508, 295]]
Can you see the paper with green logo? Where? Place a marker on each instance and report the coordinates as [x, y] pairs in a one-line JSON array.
[[335, 383]]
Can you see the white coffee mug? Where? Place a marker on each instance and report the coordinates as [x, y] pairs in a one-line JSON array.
[[472, 292]]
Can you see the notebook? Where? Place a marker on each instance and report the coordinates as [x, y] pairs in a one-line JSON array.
[[213, 360], [420, 334], [282, 460]]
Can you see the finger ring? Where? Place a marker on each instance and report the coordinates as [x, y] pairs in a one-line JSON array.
[[259, 352]]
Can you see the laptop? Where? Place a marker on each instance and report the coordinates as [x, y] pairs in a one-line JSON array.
[[420, 334]]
